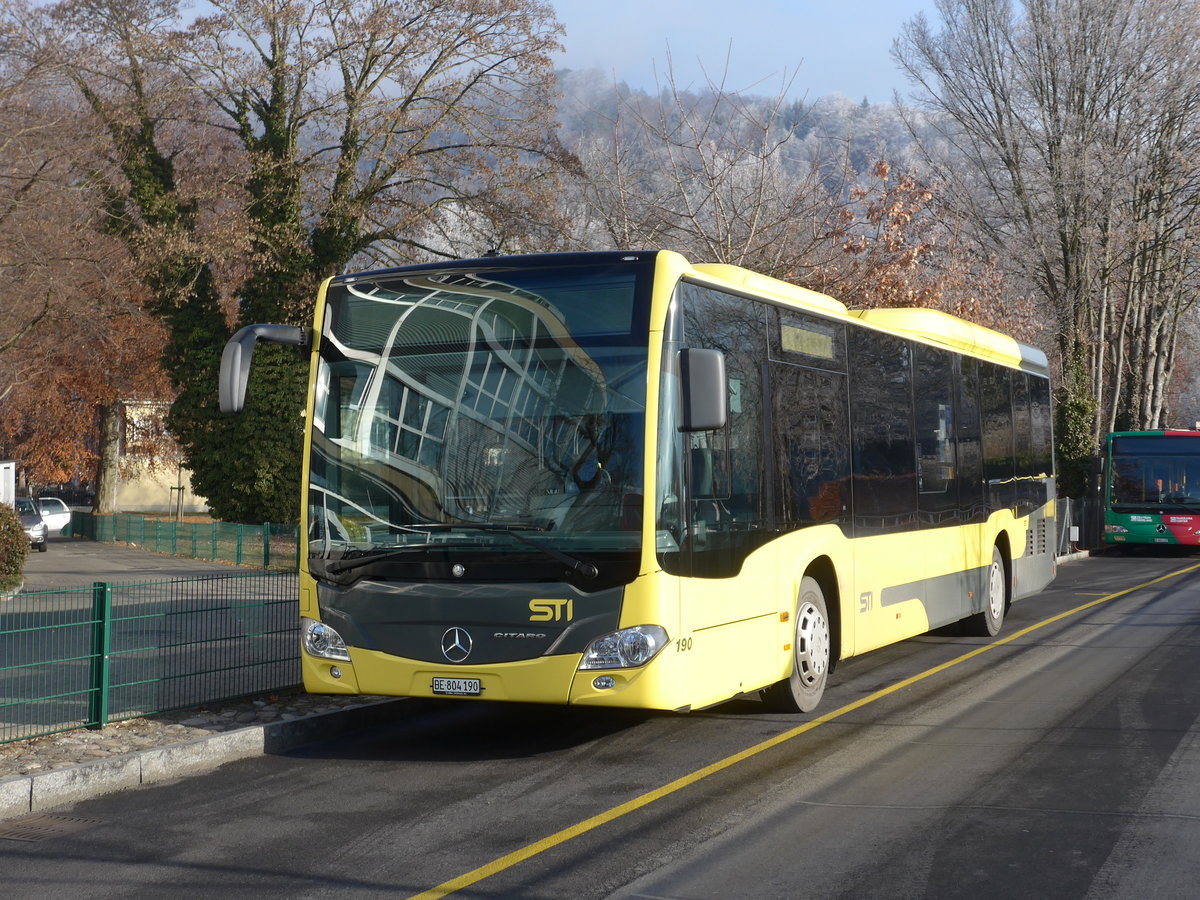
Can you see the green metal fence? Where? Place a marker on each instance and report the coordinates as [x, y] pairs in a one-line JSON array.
[[90, 656], [269, 546]]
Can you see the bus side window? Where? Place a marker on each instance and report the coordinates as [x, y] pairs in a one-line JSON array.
[[705, 505], [970, 442], [937, 457], [811, 445], [730, 460], [881, 433], [999, 461]]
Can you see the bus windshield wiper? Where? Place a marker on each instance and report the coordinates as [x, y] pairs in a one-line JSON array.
[[586, 569], [379, 554], [356, 558]]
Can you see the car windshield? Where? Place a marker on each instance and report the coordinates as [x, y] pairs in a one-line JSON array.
[[26, 508], [455, 407]]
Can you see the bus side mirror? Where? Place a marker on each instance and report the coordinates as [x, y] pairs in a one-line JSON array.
[[705, 393], [239, 351]]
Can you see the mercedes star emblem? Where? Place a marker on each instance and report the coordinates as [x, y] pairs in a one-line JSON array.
[[456, 645]]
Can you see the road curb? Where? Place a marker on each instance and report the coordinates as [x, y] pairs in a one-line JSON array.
[[1072, 557], [24, 794]]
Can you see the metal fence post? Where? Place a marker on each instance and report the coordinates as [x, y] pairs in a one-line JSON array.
[[241, 529], [101, 646], [266, 533]]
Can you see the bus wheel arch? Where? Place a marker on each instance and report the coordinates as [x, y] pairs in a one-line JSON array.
[[813, 646], [998, 588]]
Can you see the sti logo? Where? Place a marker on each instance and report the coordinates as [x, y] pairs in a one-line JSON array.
[[551, 610]]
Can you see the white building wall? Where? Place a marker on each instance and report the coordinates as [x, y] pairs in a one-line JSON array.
[[158, 492], [8, 482]]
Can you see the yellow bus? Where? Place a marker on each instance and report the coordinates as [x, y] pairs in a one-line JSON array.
[[621, 479]]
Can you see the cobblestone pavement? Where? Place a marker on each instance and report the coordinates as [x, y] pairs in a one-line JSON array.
[[70, 748]]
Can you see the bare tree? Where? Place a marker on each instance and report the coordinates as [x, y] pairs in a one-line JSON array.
[[289, 137], [1156, 272], [1067, 139], [725, 177], [714, 174], [372, 114]]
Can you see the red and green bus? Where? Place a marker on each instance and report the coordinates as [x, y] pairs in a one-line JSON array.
[[1152, 492]]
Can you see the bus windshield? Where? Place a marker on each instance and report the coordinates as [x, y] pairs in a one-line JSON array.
[[481, 411], [1155, 471]]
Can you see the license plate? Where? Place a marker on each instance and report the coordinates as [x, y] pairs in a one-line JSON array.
[[463, 687]]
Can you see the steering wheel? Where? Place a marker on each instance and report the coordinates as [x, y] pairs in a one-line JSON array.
[[591, 476]]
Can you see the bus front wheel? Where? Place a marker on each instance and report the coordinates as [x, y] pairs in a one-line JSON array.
[[801, 692], [989, 622]]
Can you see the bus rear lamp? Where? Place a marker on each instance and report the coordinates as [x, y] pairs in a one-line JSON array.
[[625, 649], [321, 641]]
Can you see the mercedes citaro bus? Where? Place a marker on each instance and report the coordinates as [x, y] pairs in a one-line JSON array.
[[621, 479]]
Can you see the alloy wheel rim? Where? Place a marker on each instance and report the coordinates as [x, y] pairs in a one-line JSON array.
[[812, 644], [996, 591]]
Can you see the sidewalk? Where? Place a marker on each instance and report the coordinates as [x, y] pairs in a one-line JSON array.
[[37, 774]]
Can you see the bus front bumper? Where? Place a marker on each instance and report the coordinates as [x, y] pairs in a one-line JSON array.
[[547, 679]]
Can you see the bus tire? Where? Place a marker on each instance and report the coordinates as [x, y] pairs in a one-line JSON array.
[[989, 622], [811, 649]]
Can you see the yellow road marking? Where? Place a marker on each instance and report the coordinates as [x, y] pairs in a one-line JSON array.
[[529, 851]]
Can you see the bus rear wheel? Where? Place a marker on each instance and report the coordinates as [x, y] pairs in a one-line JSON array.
[[801, 692], [989, 622]]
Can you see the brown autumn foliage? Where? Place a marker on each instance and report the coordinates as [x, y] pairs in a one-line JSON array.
[[898, 250], [73, 334], [77, 366]]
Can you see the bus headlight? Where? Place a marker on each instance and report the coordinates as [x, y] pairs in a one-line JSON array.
[[1116, 529], [322, 641], [626, 648]]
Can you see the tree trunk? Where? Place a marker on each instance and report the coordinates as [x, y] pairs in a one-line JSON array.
[[108, 469]]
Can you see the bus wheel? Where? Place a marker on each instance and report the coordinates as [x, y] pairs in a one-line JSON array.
[[810, 655], [989, 622]]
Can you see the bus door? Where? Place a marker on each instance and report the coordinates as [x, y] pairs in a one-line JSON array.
[[889, 548], [729, 597], [949, 472]]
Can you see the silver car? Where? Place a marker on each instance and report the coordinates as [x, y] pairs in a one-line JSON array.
[[31, 521]]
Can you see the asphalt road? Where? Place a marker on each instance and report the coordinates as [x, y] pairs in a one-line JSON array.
[[1061, 761], [72, 563]]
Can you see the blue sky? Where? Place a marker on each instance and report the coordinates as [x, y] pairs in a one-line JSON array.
[[830, 47]]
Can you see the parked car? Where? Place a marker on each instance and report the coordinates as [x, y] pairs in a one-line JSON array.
[[55, 513], [31, 521]]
